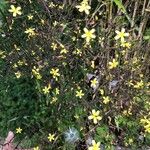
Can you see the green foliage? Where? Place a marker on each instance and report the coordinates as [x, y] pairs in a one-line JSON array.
[[147, 35], [15, 96], [122, 8], [120, 5], [3, 5]]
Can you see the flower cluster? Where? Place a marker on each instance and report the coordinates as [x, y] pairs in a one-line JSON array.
[[84, 7], [74, 64], [146, 123]]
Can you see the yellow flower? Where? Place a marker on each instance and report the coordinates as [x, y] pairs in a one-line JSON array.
[[130, 141], [55, 23], [36, 148], [51, 137], [73, 38], [54, 46], [147, 127], [76, 116], [15, 10], [113, 64], [88, 34], [18, 74], [18, 130], [15, 65], [56, 91], [79, 94], [42, 21], [95, 116], [55, 73], [95, 146], [146, 124], [54, 100], [36, 73], [93, 64], [143, 121], [2, 54], [51, 5], [101, 91], [46, 89], [121, 35], [106, 99], [127, 112], [64, 51], [94, 83], [126, 44], [20, 63], [61, 6], [77, 52], [139, 85], [84, 7], [30, 17], [30, 31]]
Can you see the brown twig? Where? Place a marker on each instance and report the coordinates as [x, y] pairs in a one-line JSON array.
[[143, 9], [143, 23], [134, 13]]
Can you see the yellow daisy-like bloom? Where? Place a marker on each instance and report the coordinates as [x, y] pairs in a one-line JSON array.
[[46, 89], [57, 91], [51, 137], [95, 116], [54, 100], [79, 94], [92, 64], [84, 7], [94, 83], [106, 99], [54, 46], [36, 148], [18, 130], [130, 141], [121, 35], [88, 34], [95, 146], [42, 21], [126, 45], [55, 73], [144, 120], [101, 91], [30, 17], [139, 85], [64, 51], [76, 116], [15, 10], [35, 72], [18, 74], [77, 52], [30, 31], [113, 64], [51, 5], [146, 124], [147, 127]]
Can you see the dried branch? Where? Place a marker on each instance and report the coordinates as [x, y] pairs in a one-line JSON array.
[[134, 14], [143, 23]]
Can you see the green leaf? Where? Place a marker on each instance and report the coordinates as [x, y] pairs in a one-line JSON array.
[[103, 131], [3, 4], [122, 8], [120, 5], [147, 34]]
